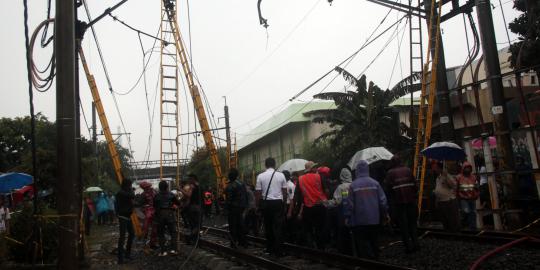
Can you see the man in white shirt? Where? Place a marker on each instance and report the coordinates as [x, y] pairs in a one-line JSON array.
[[270, 194]]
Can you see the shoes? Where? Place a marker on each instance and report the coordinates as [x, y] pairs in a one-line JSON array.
[[162, 254], [173, 252]]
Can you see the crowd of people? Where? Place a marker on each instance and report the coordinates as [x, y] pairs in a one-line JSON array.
[[308, 208], [304, 207]]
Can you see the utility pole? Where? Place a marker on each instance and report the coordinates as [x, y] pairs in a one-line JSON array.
[[493, 74], [443, 96], [67, 140], [228, 133]]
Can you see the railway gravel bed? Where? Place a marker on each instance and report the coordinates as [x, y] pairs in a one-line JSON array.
[[455, 254]]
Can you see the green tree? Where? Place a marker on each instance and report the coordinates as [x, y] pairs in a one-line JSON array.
[[200, 164], [16, 156], [527, 26], [363, 118]]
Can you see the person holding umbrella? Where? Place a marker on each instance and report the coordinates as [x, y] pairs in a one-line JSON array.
[[446, 183], [445, 194]]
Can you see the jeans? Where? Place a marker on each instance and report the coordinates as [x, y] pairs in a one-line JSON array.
[[236, 226], [166, 222], [406, 215], [273, 224], [366, 241], [125, 226], [468, 207]]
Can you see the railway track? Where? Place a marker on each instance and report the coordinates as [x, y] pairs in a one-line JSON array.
[[486, 237], [440, 250], [298, 257]]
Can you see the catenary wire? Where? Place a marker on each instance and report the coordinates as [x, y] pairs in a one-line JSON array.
[[345, 62], [258, 66], [100, 53], [323, 89]]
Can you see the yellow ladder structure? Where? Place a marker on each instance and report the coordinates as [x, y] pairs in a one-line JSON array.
[[107, 131], [169, 97], [170, 10], [427, 99]]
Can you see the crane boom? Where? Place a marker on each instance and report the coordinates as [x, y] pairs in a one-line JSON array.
[[107, 131], [195, 94]]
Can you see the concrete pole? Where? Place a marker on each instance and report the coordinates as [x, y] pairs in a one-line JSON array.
[[67, 140], [493, 73]]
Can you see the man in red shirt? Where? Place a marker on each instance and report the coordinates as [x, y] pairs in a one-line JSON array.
[[312, 211]]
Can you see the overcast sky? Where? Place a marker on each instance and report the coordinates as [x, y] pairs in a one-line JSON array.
[[233, 55]]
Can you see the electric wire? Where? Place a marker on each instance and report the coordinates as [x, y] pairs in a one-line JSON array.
[[85, 121], [42, 79], [36, 228], [505, 24], [345, 62], [394, 35], [398, 56], [145, 66], [115, 18], [100, 53], [366, 43], [289, 34]]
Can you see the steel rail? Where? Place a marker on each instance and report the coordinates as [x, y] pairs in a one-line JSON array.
[[243, 256], [318, 255], [496, 238]]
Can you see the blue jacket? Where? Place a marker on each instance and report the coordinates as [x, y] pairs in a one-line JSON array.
[[366, 201]]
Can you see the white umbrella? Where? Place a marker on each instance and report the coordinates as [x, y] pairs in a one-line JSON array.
[[293, 165], [370, 155], [93, 189]]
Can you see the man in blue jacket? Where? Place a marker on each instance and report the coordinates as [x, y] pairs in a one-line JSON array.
[[365, 207]]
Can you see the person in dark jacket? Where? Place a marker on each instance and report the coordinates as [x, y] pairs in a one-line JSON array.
[[164, 203], [236, 203], [364, 208], [401, 187], [192, 212], [124, 208]]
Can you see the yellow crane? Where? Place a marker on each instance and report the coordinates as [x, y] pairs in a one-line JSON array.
[[169, 7], [427, 99], [107, 131]]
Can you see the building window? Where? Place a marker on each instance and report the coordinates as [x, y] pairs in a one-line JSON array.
[[533, 80]]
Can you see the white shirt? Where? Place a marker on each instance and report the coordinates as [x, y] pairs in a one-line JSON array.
[[4, 217], [278, 182], [290, 191]]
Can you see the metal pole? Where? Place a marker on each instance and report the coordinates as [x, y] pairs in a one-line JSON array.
[[228, 133], [443, 97], [493, 72], [67, 141]]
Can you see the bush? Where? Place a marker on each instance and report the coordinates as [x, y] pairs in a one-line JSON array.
[[22, 224]]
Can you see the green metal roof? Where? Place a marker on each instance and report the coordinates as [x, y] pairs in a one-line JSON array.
[[293, 113], [405, 101]]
